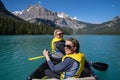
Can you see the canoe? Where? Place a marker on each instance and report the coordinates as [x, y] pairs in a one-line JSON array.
[[38, 74]]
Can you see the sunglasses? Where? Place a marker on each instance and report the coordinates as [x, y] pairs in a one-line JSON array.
[[68, 46], [60, 34]]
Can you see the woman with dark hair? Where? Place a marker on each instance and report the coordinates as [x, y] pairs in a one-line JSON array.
[[72, 63]]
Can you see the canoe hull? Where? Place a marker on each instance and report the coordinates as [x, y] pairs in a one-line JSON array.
[[39, 73]]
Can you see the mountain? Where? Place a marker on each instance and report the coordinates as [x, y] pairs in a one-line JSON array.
[[13, 25], [36, 13], [112, 26]]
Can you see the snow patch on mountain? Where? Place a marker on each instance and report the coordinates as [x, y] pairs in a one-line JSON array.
[[63, 15], [17, 12]]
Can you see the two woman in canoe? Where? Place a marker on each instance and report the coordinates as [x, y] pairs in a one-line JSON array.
[[72, 62]]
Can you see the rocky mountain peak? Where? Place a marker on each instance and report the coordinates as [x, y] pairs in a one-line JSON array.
[[35, 7], [36, 13], [116, 18]]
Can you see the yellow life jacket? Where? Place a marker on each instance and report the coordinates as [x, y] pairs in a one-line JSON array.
[[53, 41], [80, 58]]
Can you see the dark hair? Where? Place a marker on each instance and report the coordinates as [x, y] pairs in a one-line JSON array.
[[75, 43]]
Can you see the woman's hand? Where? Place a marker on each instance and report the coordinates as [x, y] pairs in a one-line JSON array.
[[45, 53]]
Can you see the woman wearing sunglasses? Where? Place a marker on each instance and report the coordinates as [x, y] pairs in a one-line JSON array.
[[72, 63], [57, 46]]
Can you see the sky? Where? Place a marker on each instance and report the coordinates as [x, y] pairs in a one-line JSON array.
[[91, 11]]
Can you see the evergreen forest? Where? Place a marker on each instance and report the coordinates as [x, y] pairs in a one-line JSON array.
[[11, 26]]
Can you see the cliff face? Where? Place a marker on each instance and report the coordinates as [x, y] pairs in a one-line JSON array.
[[37, 14]]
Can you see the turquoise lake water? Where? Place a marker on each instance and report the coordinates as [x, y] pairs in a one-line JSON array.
[[15, 51]]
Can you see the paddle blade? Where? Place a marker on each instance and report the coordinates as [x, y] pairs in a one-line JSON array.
[[34, 58], [100, 66]]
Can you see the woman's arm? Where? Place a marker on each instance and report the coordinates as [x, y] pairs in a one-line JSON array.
[[62, 66]]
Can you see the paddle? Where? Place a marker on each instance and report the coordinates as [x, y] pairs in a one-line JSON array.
[[100, 66], [34, 58], [97, 65]]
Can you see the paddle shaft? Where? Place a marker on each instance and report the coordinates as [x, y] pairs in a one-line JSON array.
[[97, 65], [34, 58]]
